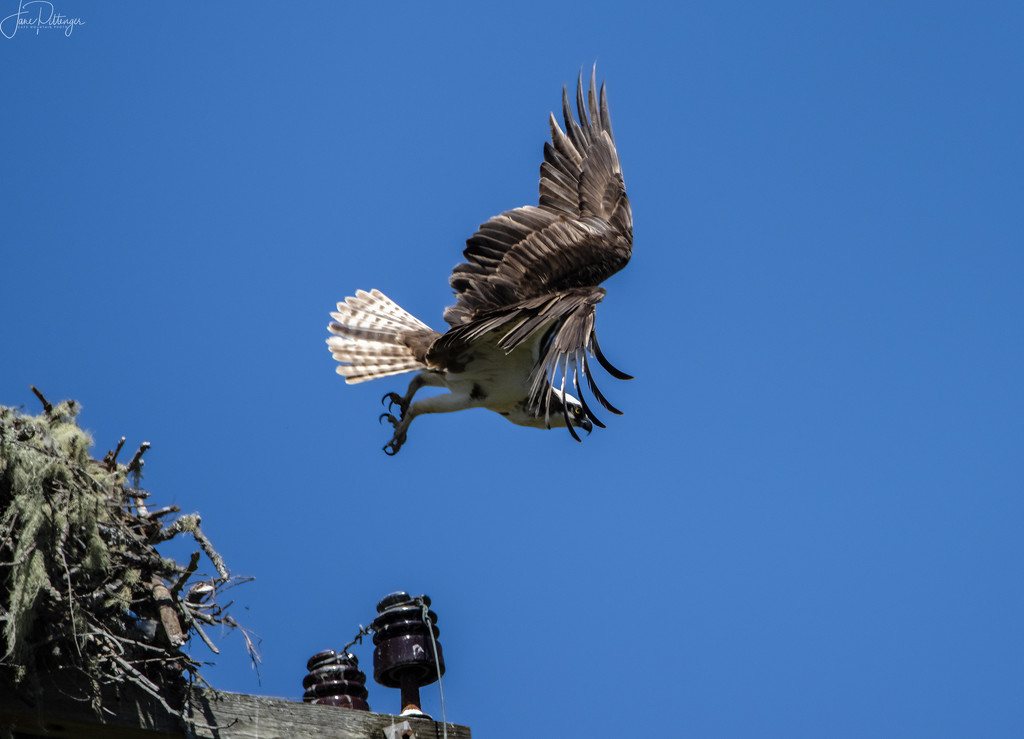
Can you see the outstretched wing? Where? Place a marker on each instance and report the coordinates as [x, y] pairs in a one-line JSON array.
[[562, 324], [579, 235], [532, 273]]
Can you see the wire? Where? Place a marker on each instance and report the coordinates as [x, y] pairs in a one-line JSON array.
[[437, 663], [358, 639]]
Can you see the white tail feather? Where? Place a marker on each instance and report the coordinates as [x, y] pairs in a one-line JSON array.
[[369, 337]]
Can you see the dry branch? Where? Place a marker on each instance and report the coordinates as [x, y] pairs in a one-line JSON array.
[[82, 585]]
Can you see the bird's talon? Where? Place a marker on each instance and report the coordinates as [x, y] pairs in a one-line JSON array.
[[394, 399], [392, 447], [391, 419]]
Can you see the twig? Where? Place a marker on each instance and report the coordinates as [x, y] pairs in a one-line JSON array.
[[135, 470], [193, 563], [71, 605], [147, 685], [207, 547], [206, 618], [253, 653], [47, 406], [190, 523], [138, 645], [199, 630], [162, 512], [139, 679], [110, 458], [137, 459]]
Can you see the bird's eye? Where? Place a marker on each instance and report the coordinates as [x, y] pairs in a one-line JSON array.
[[576, 410]]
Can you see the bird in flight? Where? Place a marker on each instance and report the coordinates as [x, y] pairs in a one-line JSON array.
[[522, 326]]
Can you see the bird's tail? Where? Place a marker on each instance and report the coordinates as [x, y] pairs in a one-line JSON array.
[[374, 337]]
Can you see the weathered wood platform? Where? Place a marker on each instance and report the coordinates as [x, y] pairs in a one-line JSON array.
[[217, 715]]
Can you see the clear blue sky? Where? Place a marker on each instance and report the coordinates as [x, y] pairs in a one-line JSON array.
[[809, 521]]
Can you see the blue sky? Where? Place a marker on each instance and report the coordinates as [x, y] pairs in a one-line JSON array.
[[808, 521]]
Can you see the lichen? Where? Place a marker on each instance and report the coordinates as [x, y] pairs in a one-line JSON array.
[[82, 585]]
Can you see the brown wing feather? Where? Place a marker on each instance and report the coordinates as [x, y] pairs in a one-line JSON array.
[[579, 235], [532, 273], [564, 321]]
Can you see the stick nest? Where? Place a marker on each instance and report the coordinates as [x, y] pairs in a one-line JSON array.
[[82, 585]]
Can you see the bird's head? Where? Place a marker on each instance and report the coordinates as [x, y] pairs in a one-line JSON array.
[[565, 406]]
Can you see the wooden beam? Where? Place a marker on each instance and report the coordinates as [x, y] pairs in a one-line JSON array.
[[217, 715]]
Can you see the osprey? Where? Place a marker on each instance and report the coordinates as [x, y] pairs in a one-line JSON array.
[[523, 321]]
